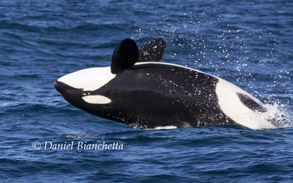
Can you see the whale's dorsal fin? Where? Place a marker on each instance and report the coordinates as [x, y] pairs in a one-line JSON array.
[[124, 56], [152, 51], [126, 53]]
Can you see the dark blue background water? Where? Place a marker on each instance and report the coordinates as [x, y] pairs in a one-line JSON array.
[[248, 43]]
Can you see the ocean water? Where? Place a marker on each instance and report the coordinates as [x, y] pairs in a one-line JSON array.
[[45, 139]]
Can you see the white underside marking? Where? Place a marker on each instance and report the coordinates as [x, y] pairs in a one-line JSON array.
[[165, 127], [231, 105], [96, 99], [88, 79]]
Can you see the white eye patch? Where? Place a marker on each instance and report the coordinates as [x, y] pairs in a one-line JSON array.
[[96, 99]]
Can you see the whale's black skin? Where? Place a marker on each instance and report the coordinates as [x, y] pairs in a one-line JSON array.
[[140, 91], [154, 95]]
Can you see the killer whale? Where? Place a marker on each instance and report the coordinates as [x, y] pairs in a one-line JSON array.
[[140, 91]]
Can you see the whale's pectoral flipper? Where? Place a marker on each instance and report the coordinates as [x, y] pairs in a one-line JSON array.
[[124, 56], [152, 51]]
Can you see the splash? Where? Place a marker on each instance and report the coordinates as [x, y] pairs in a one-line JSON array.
[[278, 115]]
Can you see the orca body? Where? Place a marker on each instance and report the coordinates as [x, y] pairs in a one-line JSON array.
[[141, 91]]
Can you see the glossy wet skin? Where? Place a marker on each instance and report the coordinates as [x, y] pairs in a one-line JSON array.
[[152, 95], [157, 94]]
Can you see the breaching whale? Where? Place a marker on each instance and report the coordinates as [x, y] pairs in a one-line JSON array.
[[142, 92]]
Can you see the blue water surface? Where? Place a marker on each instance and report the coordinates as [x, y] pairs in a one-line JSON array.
[[248, 43]]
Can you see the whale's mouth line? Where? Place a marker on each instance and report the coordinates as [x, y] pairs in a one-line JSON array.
[[72, 95], [59, 86]]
